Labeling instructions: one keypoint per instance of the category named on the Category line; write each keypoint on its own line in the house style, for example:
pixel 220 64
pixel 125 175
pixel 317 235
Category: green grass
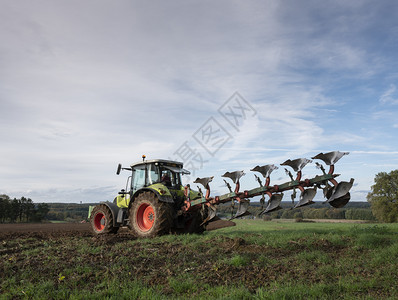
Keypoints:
pixel 253 260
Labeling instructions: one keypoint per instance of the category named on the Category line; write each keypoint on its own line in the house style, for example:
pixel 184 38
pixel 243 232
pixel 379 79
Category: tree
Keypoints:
pixel 359 214
pixel 41 212
pixel 384 196
pixel 15 207
pixel 4 207
pixel 21 210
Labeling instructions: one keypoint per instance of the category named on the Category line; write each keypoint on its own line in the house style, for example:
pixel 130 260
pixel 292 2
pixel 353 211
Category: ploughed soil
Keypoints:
pixel 76 229
pixel 47 250
pixel 35 253
pixel 218 223
pixel 44 230
pixel 44 227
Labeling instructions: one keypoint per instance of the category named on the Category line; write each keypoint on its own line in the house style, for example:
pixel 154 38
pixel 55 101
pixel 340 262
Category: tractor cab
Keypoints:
pixel 158 175
pixel 145 174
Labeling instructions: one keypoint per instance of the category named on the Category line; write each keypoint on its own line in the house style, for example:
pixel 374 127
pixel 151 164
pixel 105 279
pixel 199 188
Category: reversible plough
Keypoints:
pixel 336 193
pixel 155 202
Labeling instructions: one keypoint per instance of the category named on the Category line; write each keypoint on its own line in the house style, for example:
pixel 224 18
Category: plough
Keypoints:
pixel 337 194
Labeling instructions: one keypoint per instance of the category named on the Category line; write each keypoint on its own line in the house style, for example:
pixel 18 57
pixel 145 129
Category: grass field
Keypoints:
pixel 253 260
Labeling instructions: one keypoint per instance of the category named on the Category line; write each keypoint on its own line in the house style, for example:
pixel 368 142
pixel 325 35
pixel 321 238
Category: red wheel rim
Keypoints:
pixel 99 221
pixel 145 217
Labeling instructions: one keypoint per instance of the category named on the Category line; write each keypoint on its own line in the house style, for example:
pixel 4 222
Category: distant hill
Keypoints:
pixel 70 212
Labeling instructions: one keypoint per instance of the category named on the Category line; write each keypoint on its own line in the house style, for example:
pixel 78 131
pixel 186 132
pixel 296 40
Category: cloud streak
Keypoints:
pixel 85 85
pixel 390 96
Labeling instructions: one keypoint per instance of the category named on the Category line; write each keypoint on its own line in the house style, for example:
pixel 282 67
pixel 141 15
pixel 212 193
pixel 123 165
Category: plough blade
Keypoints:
pixel 296 164
pixel 330 158
pixel 211 213
pixel 306 197
pixel 265 170
pixel 242 209
pixel 235 176
pixel 341 202
pixel 340 194
pixel 204 181
pixel 273 203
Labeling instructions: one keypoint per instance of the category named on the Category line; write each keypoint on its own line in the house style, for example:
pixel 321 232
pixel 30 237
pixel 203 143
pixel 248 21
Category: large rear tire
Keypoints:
pixel 148 217
pixel 101 220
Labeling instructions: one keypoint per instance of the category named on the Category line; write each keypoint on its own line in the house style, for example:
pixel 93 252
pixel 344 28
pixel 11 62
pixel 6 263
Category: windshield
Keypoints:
pixel 148 174
pixel 138 178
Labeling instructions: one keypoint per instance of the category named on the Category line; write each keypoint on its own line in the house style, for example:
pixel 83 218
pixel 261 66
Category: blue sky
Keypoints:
pixel 85 85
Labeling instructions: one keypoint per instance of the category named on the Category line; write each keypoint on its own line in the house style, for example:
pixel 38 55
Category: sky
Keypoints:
pixel 218 85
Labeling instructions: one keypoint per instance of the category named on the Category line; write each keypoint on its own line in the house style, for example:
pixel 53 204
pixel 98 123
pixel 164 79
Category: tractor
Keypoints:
pixel 155 202
pixel 151 203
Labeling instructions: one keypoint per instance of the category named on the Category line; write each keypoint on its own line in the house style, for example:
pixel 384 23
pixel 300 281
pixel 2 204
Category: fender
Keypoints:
pixel 162 198
pixel 117 213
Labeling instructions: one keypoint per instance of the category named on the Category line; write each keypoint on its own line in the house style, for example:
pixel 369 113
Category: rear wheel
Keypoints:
pixel 101 220
pixel 149 217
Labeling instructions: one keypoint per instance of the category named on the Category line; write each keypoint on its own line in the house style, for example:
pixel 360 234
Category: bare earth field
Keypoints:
pixel 252 260
pixel 43 231
pixel 69 229
pixel 45 227
pixel 82 228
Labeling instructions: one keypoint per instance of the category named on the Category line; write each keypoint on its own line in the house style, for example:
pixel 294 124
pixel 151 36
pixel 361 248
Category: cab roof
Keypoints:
pixel 160 161
pixel 172 165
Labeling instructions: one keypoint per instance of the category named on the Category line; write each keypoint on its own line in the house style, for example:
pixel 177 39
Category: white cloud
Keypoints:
pixel 85 85
pixel 390 96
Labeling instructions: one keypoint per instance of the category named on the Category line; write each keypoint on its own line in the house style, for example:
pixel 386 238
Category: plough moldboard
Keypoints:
pixel 337 194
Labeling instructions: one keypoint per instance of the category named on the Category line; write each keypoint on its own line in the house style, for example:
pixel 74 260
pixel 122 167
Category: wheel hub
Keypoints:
pixel 99 221
pixel 145 217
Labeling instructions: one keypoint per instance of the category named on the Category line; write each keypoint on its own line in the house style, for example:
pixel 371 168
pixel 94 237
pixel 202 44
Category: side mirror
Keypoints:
pixel 119 168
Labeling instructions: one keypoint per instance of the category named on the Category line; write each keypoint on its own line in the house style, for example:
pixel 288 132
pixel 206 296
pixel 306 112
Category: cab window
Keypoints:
pixel 169 178
pixel 138 178
pixel 153 174
pixel 166 177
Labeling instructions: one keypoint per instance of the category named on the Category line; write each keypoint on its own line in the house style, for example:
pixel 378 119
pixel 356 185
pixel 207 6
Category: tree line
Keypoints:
pixel 68 212
pixel 21 210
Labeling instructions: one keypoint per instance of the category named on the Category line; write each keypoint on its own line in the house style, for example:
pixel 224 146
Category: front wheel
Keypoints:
pixel 148 217
pixel 101 220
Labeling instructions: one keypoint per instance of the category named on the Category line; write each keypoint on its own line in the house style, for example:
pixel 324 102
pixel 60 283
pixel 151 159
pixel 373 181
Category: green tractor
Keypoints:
pixel 151 203
pixel 156 203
